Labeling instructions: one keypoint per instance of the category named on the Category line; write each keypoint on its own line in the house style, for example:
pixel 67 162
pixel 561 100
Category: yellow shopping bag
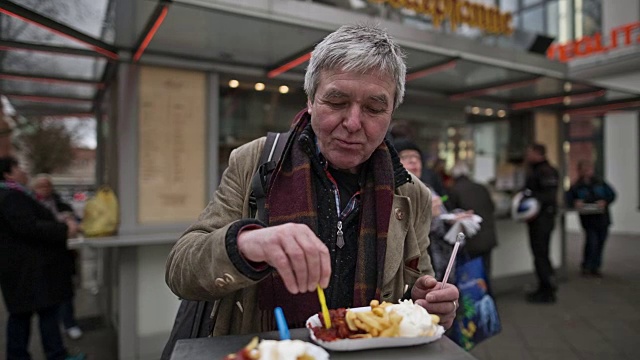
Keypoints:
pixel 101 214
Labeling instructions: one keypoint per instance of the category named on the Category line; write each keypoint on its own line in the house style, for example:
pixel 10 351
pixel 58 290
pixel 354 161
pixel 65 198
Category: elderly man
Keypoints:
pixel 341 210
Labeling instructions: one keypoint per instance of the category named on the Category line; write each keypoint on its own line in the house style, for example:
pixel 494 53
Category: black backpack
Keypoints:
pixel 193 319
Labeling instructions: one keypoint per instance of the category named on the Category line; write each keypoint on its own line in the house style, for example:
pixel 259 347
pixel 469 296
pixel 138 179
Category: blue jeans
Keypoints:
pixel 19 331
pixel 66 314
pixel 594 247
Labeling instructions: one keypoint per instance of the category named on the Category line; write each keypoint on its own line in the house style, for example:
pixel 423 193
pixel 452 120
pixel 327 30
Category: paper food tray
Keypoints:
pixel 371 343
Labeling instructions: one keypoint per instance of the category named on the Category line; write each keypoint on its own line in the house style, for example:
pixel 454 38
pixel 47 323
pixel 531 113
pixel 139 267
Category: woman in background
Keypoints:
pixel 33 245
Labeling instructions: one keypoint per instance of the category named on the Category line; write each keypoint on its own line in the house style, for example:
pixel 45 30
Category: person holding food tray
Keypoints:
pixel 340 209
pixel 591 197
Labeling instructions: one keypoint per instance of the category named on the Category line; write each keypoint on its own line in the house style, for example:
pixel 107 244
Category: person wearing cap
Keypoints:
pixel 413 160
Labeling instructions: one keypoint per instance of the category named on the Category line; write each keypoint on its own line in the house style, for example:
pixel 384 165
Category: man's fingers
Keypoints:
pixel 298 261
pixel 422 286
pixel 280 261
pixel 325 263
pixel 444 309
pixel 307 243
pixel 449 293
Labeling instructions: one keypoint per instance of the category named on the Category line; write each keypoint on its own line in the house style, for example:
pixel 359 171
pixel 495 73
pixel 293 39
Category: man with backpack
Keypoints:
pixel 339 210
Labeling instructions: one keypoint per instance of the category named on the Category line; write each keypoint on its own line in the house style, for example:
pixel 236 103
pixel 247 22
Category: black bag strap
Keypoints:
pixel 269 158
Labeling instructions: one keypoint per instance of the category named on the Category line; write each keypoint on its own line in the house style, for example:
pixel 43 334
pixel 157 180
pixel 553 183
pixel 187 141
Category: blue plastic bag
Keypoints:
pixel 477 318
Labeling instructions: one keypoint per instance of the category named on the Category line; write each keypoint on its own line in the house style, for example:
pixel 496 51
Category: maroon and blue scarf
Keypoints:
pixel 291 198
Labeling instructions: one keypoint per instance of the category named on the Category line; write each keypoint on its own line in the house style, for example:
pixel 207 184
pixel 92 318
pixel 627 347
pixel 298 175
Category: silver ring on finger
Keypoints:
pixel 455 305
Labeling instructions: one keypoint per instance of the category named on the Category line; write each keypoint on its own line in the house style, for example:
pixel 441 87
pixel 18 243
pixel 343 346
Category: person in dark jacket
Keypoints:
pixel 542 182
pixel 42 186
pixel 33 244
pixel 592 196
pixel 468 195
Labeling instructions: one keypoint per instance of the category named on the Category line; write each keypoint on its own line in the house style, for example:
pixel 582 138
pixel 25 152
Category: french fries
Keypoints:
pixel 375 323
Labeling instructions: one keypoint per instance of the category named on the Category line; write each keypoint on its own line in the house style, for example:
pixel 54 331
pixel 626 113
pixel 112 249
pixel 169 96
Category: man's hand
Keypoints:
pixel 436 203
pixel 578 204
pixel 601 204
pixel 301 259
pixel 444 303
pixel 72 228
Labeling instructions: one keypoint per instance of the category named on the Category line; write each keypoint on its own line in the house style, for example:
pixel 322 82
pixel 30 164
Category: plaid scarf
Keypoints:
pixel 291 198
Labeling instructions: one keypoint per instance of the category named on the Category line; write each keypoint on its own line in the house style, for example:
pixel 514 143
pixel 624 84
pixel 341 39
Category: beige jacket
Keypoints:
pixel 198 267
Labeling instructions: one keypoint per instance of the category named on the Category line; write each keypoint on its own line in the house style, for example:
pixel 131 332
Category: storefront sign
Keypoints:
pixel 487 18
pixel 622 36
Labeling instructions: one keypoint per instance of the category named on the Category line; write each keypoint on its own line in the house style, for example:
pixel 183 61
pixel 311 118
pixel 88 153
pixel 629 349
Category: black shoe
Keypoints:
pixel 585 272
pixel 541 297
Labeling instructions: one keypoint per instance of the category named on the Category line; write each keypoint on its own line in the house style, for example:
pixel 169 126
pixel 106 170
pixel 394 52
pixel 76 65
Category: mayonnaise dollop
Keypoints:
pixel 416 321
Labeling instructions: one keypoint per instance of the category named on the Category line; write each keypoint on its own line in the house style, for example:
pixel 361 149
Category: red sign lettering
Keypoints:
pixel 591 45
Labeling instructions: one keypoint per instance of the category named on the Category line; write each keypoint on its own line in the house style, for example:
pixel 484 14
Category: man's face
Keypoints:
pixel 532 156
pixel 411 161
pixel 350 116
pixel 43 188
pixel 18 175
pixel 586 171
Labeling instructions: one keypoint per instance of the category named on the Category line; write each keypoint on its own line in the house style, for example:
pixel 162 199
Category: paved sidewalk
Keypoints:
pixel 593 319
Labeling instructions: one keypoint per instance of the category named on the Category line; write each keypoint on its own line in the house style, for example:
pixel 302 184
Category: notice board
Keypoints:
pixel 171 145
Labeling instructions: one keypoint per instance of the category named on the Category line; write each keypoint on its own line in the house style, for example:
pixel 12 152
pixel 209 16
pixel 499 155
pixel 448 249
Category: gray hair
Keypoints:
pixel 460 169
pixel 41 176
pixel 357 48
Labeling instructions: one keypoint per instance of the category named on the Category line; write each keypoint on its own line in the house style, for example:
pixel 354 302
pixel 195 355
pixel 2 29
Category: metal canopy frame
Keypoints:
pixel 305 15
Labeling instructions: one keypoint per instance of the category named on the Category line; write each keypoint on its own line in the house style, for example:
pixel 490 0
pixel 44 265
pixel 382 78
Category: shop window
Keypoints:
pixel 590 13
pixel 248 111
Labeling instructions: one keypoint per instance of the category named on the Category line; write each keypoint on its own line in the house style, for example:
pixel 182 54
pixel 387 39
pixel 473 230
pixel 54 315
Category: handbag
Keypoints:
pixel 477 318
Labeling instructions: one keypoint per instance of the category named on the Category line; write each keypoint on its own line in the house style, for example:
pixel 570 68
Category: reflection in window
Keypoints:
pixel 591 17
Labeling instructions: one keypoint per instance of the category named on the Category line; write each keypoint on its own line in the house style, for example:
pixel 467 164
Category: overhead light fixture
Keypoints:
pixel 566 101
pixel 259 86
pixel 502 113
pixel 475 110
pixel 234 83
pixel 566 118
pixel 488 112
pixel 283 89
pixel 451 131
pixel 567 86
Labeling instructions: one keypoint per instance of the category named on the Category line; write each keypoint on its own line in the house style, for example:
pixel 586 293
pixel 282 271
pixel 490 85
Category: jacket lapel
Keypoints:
pixel 399 246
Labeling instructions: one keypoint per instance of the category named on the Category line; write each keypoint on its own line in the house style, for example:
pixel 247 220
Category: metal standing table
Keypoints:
pixel 218 347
